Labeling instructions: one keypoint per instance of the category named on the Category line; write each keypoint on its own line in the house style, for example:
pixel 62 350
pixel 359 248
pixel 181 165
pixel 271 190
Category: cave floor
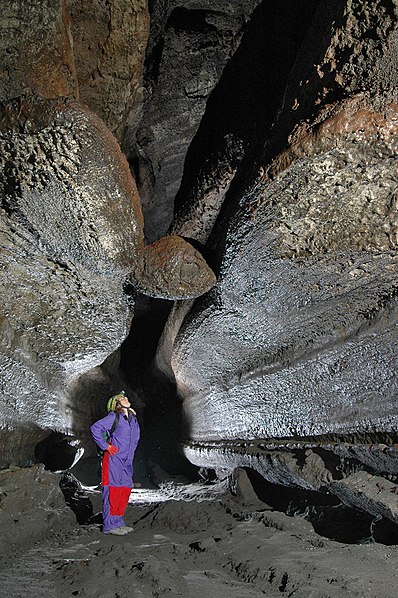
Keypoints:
pixel 188 544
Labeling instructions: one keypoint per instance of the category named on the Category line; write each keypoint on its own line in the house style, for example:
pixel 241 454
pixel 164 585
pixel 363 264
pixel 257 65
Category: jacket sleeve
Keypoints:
pixel 100 426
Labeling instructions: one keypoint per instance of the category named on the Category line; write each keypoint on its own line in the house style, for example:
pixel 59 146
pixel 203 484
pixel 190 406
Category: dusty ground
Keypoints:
pixel 185 544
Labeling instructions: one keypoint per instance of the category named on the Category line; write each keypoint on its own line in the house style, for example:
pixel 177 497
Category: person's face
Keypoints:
pixel 124 402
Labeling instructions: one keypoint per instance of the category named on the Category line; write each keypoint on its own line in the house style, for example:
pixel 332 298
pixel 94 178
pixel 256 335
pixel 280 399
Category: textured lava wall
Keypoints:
pixel 109 42
pixel 69 233
pixel 299 337
pixel 72 245
pixel 265 131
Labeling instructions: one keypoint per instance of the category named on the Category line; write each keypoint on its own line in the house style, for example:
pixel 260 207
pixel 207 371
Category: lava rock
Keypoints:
pixel 301 328
pixel 189 46
pixel 72 235
pixel 370 493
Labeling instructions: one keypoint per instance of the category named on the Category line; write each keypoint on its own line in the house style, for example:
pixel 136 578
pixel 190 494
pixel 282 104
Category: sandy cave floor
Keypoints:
pixel 192 541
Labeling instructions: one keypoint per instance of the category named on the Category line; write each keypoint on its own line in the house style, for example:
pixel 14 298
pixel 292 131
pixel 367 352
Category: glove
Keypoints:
pixel 112 450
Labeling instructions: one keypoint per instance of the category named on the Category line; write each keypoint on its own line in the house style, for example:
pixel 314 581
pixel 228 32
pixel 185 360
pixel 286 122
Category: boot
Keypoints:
pixel 127 528
pixel 117 531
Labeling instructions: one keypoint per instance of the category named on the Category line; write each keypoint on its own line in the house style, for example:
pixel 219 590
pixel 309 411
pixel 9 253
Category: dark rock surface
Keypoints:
pixel 372 494
pixel 189 46
pixel 68 48
pixel 239 118
pixel 32 507
pixel 109 41
pixel 347 491
pixel 36 50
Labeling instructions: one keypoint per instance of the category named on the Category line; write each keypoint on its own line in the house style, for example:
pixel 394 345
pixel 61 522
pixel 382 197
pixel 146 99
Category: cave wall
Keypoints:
pixel 70 232
pixel 190 45
pixel 109 43
pixel 69 48
pixel 73 255
pixel 299 336
pixel 264 132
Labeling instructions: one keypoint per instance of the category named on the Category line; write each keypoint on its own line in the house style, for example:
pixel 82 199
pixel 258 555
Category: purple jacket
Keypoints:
pixel 125 437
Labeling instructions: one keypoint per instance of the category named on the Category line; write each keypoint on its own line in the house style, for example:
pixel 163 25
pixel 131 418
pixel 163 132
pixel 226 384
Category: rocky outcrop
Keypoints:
pixel 172 269
pixel 36 50
pixel 70 232
pixel 319 464
pixel 72 238
pixel 311 55
pixel 310 478
pixel 73 254
pixel 109 42
pixel 301 330
pixel 67 48
pixel 370 493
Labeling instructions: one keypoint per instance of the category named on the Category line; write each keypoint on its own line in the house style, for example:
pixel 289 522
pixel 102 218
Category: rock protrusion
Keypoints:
pixel 172 269
pixel 72 234
pixel 370 493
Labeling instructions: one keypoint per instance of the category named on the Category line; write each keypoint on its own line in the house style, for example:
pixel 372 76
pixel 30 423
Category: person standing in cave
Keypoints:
pixel 117 435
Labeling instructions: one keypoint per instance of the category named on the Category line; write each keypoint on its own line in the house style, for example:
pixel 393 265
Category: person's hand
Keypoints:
pixel 112 450
pixel 133 412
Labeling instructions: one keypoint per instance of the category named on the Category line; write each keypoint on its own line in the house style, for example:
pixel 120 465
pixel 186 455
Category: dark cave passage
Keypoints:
pixel 161 425
pixel 238 118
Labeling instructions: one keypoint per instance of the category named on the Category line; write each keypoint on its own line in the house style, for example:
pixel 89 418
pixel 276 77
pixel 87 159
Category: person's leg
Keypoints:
pixel 110 521
pixel 114 498
pixel 118 499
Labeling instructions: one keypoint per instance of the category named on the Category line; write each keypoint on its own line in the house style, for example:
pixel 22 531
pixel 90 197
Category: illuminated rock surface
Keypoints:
pixel 72 237
pixel 298 339
pixel 301 329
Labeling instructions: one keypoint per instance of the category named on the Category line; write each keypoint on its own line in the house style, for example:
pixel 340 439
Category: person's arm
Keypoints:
pixel 98 428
